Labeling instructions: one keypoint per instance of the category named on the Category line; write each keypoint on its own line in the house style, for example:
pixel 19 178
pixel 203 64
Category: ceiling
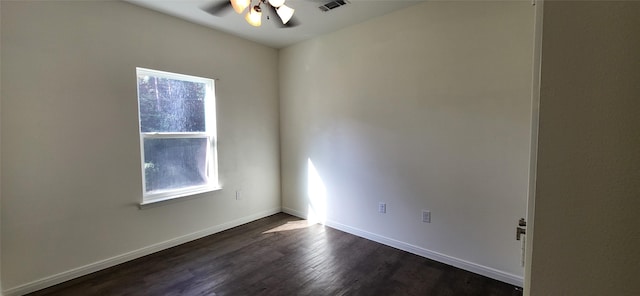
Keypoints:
pixel 312 21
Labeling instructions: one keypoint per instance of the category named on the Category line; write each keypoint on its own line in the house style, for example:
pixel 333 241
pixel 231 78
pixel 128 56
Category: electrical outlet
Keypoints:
pixel 382 208
pixel 238 194
pixel 426 216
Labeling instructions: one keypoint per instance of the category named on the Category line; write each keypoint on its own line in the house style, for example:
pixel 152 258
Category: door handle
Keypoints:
pixel 520 231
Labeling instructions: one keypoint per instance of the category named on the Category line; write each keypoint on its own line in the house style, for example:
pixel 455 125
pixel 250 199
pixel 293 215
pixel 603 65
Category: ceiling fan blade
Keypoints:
pixel 293 22
pixel 218 8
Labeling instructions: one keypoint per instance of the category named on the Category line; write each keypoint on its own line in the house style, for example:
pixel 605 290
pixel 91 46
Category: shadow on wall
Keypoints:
pixel 316 196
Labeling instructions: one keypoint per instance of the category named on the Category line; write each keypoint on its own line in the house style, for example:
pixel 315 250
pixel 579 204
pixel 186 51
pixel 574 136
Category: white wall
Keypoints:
pixel 70 146
pixel 425 108
pixel 586 237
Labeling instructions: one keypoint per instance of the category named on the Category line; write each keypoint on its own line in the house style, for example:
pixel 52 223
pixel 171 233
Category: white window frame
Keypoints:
pixel 210 134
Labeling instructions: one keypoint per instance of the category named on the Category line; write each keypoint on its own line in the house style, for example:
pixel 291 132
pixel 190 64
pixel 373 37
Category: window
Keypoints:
pixel 177 135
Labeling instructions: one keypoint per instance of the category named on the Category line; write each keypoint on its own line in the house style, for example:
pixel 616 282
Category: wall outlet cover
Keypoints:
pixel 382 208
pixel 426 216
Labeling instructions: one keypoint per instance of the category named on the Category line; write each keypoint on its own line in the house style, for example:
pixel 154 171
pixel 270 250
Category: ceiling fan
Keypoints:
pixel 277 8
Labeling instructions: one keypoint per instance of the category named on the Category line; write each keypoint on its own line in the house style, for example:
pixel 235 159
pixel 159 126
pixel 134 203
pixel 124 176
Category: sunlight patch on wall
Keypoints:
pixel 317 195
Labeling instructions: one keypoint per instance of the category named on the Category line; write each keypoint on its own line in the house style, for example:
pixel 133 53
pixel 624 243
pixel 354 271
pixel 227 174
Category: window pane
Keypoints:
pixel 170 105
pixel 174 163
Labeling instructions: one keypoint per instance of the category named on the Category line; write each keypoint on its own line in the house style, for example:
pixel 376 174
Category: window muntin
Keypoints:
pixel 177 134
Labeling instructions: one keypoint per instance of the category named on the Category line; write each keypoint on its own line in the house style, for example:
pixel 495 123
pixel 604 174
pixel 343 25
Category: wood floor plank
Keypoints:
pixel 281 255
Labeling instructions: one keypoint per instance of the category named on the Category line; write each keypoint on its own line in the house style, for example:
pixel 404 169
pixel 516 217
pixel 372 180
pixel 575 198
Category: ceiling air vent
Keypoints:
pixel 333 5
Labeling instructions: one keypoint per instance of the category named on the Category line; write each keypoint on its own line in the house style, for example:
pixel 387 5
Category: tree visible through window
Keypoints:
pixel 177 134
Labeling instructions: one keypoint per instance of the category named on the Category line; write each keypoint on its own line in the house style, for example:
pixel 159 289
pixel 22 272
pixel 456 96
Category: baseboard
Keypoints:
pixel 446 259
pixel 102 264
pixel 293 212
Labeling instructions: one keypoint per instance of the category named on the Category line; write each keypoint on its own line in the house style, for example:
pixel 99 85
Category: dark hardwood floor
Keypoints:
pixel 282 255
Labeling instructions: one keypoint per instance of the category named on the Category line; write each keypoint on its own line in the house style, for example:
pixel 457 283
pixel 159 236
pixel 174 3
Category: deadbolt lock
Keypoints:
pixel 522 222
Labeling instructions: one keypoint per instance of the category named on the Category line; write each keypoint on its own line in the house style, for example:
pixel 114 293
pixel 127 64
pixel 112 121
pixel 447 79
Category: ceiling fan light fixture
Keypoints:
pixel 276 3
pixel 254 16
pixel 240 5
pixel 285 13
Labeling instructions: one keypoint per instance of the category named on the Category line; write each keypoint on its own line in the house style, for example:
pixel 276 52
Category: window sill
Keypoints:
pixel 186 195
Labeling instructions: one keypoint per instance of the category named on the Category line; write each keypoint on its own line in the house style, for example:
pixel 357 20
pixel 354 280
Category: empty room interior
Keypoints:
pixel 431 129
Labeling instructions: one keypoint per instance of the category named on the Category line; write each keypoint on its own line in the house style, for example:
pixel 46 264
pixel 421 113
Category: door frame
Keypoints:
pixel 535 121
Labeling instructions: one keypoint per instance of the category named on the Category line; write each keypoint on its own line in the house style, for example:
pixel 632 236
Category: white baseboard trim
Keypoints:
pixel 109 262
pixel 293 212
pixel 446 259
